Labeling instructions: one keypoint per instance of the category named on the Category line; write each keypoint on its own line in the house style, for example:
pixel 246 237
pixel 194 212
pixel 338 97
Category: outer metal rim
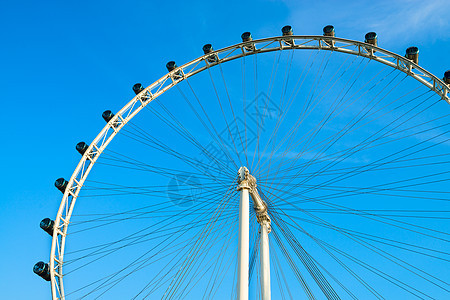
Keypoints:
pixel 189 69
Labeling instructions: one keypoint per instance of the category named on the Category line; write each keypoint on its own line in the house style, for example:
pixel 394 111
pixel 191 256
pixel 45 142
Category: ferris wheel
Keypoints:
pixel 290 167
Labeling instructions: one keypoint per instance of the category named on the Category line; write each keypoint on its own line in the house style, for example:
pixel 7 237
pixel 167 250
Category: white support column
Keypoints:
pixel 265 261
pixel 243 254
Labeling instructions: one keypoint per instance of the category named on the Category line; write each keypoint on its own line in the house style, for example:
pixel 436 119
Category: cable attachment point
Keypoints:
pixel 247 181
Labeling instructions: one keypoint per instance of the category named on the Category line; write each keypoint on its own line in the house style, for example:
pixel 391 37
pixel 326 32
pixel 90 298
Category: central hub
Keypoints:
pixel 247 181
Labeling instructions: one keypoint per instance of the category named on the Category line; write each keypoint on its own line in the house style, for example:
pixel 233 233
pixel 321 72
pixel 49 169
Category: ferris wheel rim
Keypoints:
pixel 177 75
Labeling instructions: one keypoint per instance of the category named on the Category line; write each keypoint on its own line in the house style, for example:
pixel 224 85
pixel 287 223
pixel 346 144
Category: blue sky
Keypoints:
pixel 62 64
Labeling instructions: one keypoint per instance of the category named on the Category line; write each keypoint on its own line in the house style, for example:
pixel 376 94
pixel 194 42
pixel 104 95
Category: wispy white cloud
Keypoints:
pixel 398 22
pixel 412 19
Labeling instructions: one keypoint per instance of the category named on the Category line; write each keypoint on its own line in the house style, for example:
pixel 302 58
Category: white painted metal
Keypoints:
pixel 265 261
pixel 189 69
pixel 243 248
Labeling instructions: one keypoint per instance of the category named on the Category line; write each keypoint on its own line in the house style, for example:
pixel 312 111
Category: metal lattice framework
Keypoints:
pixel 198 65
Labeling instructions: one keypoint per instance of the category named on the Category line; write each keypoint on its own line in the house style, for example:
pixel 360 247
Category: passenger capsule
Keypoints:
pixel 287 33
pixel 247 37
pixel 447 77
pixel 47 225
pixel 42 269
pixel 81 147
pixel 107 115
pixel 412 53
pixel 287 30
pixel 207 48
pixel 137 88
pixel 328 30
pixel 171 65
pixel 61 184
pixel 371 38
